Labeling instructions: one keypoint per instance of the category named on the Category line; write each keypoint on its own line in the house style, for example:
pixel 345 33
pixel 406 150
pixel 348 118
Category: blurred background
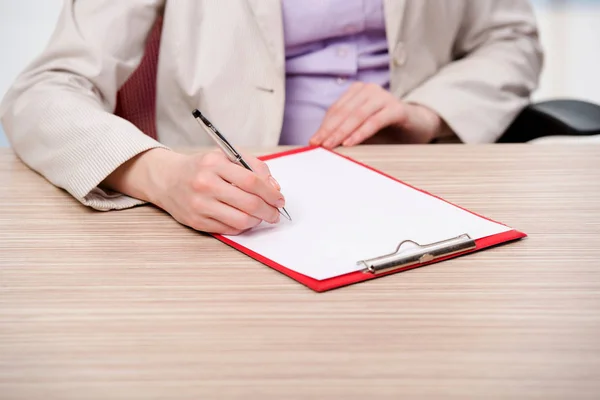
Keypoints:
pixel 570 34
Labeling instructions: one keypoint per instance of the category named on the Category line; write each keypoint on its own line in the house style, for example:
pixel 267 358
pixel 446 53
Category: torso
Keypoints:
pixel 328 45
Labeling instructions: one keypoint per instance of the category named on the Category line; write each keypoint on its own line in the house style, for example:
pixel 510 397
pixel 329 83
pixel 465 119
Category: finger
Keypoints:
pixel 262 169
pixel 246 202
pixel 210 225
pixel 259 166
pixel 333 121
pixel 372 95
pixel 357 117
pixel 354 89
pixel 327 125
pixel 250 182
pixel 385 117
pixel 231 216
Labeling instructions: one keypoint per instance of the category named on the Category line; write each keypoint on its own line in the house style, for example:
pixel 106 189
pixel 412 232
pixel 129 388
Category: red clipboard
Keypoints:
pixel 425 255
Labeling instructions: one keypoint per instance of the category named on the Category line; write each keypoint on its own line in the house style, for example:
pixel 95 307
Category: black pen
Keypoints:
pixel 227 148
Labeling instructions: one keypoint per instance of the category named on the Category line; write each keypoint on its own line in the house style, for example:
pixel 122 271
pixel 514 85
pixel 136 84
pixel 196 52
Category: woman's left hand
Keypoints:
pixel 366 109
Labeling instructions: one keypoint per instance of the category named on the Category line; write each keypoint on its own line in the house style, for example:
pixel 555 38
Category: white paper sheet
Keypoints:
pixel 343 212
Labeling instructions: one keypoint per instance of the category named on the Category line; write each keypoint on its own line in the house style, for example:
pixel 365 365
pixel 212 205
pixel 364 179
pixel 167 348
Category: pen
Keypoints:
pixel 227 148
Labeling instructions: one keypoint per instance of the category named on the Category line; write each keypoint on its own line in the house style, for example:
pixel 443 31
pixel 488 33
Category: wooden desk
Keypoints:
pixel 178 315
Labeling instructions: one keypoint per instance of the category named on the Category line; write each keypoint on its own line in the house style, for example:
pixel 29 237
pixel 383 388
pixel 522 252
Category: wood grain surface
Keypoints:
pixel 132 305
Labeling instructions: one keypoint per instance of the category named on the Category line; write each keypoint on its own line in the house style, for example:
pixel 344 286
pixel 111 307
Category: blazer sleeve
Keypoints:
pixel 58 114
pixel 498 61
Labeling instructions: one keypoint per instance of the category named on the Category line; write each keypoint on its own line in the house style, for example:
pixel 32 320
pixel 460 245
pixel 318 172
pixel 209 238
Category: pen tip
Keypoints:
pixel 196 113
pixel 285 214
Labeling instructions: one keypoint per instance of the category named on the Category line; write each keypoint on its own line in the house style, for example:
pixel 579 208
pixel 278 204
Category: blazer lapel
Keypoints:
pixel 394 15
pixel 270 22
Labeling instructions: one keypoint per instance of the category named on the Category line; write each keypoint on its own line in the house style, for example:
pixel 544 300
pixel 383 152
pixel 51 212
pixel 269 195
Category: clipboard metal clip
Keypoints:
pixel 409 253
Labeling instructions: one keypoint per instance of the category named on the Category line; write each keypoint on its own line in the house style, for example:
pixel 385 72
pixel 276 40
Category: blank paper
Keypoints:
pixel 343 212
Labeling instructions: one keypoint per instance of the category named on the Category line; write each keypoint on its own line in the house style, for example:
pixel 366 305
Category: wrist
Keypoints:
pixel 144 176
pixel 429 123
pixel 157 172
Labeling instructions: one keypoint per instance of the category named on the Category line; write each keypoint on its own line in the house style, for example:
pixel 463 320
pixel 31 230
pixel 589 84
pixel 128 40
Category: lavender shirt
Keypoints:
pixel 329 44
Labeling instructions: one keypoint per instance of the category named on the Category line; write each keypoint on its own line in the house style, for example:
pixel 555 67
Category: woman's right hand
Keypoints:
pixel 206 192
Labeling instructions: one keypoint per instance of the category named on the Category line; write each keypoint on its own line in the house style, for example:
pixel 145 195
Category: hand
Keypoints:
pixel 205 192
pixel 367 109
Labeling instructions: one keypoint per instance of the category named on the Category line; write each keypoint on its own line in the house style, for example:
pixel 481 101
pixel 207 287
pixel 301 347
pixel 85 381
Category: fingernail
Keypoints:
pixel 280 203
pixel 275 184
pixel 277 218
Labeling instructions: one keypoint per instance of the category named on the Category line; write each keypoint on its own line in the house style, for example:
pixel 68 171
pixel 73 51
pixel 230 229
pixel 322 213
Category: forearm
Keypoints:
pixel 58 114
pixel 68 138
pixel 426 124
pixel 497 66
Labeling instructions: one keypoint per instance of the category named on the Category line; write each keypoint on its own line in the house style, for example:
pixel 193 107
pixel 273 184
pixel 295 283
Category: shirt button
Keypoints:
pixel 350 29
pixel 400 55
pixel 341 80
pixel 342 52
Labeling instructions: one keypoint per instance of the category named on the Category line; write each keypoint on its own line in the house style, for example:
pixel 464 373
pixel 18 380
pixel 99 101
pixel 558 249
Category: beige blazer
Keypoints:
pixel 473 61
